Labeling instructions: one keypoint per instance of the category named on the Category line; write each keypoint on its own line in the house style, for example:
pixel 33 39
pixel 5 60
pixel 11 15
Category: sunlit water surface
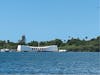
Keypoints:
pixel 49 63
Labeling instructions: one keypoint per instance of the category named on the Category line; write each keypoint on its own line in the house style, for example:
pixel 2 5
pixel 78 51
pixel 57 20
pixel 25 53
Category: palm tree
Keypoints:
pixel 86 37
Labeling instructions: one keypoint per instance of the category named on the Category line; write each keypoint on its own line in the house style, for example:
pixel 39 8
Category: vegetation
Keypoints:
pixel 73 44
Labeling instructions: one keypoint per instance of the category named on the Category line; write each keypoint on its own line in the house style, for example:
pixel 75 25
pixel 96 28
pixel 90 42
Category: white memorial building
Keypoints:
pixel 24 48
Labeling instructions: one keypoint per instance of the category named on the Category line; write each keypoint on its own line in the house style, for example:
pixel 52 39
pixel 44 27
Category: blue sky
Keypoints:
pixel 48 19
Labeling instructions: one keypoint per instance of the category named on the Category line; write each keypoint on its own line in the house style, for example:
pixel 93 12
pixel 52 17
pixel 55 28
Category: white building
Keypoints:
pixel 23 48
pixel 4 50
pixel 62 50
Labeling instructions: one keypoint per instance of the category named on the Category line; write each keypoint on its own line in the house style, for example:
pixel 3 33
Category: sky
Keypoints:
pixel 43 20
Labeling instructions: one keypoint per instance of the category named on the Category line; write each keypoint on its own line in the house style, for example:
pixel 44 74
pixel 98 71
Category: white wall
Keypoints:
pixel 52 48
pixel 23 48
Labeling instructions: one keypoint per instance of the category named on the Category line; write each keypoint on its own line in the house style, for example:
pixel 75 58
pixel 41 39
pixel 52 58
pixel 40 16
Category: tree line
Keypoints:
pixel 73 44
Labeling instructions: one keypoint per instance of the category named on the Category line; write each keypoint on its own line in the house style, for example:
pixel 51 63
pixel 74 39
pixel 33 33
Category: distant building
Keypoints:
pixel 62 50
pixel 23 48
pixel 7 50
pixel 4 50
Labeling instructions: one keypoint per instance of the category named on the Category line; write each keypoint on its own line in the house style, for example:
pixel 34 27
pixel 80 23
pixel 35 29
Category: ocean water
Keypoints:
pixel 50 63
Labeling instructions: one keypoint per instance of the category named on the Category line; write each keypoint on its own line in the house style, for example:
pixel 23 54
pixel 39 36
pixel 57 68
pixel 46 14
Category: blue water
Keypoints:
pixel 50 63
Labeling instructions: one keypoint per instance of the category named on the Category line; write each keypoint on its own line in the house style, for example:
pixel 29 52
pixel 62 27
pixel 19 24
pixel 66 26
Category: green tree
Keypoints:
pixel 33 43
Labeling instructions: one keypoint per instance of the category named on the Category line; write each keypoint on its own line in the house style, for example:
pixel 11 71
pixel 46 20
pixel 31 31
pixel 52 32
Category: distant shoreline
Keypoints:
pixel 73 44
